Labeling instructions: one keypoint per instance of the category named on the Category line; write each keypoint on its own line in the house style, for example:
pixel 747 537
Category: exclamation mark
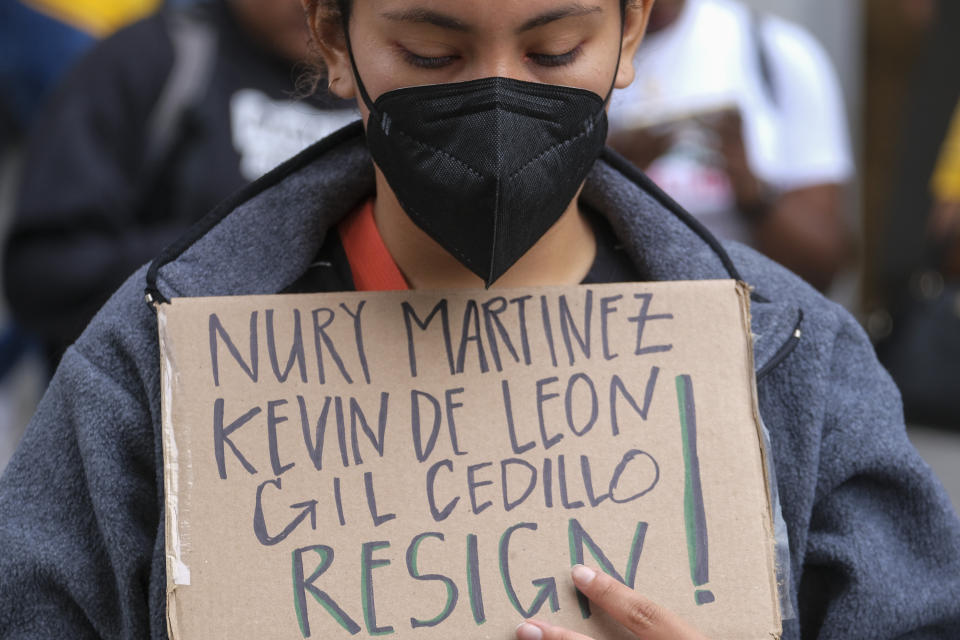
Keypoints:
pixel 694 515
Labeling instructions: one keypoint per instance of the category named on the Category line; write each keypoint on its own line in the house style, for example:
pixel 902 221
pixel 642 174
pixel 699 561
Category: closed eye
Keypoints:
pixel 558 60
pixel 427 62
pixel 541 59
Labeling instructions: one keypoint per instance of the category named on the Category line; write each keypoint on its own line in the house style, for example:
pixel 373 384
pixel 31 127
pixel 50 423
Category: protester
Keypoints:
pixel 874 543
pixel 39 41
pixel 149 132
pixel 922 347
pixel 918 328
pixel 945 185
pixel 740 117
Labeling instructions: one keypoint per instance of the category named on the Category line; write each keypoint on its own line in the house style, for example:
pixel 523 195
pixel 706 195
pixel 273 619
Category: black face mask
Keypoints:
pixel 485 167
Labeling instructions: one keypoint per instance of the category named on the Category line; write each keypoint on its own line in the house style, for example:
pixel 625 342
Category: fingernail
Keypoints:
pixel 527 631
pixel 582 576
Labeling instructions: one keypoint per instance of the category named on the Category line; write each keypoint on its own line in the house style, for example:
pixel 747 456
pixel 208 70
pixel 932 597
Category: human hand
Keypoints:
pixel 642 617
pixel 754 198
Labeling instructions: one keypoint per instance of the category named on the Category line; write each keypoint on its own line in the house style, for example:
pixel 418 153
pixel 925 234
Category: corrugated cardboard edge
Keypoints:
pixel 178 573
pixel 743 293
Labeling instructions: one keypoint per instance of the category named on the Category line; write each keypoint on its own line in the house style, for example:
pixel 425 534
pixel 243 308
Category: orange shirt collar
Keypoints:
pixel 371 264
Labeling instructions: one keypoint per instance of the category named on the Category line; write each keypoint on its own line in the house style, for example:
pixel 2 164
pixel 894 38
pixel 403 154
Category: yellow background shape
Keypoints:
pixel 96 17
pixel 946 179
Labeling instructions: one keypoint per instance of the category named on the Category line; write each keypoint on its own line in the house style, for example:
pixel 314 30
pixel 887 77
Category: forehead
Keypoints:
pixel 482 14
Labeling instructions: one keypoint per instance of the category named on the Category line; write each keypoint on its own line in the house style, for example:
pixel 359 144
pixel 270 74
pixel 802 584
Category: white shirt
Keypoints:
pixel 794 128
pixel 267 132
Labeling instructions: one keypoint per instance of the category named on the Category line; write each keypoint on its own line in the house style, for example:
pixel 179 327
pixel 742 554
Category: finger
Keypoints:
pixel 538 630
pixel 640 615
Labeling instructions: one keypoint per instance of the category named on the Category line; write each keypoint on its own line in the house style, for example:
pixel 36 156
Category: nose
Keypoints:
pixel 504 62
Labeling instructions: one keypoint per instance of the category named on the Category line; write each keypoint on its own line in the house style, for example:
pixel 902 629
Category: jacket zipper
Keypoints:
pixel 785 350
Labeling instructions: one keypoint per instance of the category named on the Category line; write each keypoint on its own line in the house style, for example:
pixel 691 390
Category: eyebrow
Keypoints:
pixel 420 15
pixel 573 10
pixel 428 16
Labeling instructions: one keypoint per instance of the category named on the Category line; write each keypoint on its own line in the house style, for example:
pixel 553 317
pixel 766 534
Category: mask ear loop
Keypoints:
pixel 616 70
pixel 356 72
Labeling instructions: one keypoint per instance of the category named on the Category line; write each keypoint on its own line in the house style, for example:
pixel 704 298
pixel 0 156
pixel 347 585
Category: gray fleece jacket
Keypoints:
pixel 874 542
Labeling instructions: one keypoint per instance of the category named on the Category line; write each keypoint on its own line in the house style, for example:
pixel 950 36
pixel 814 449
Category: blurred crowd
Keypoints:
pixel 122 122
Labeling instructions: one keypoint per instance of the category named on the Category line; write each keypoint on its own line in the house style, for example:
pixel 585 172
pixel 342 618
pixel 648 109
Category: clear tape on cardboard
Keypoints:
pixel 179 571
pixel 781 537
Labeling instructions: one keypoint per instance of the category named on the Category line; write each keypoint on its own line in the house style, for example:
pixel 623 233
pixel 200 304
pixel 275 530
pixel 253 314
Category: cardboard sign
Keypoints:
pixel 429 465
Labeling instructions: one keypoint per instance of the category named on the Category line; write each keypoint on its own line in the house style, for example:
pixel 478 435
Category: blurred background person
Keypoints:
pixel 39 41
pixel 149 131
pixel 944 225
pixel 918 116
pixel 916 304
pixel 739 116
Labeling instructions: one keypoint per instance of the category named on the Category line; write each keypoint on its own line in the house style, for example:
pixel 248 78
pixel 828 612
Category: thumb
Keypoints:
pixel 640 615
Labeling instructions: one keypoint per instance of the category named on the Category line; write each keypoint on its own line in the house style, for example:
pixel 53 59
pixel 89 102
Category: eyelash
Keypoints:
pixel 541 59
pixel 560 60
pixel 424 62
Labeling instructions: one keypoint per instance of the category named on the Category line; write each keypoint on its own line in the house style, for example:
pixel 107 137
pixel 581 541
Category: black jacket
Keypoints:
pixel 91 207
